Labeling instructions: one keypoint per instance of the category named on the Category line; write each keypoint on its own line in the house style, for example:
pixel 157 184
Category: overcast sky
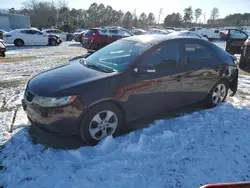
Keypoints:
pixel 225 6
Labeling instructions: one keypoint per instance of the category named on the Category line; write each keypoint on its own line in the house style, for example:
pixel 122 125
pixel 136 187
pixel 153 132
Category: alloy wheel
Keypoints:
pixel 103 124
pixel 219 93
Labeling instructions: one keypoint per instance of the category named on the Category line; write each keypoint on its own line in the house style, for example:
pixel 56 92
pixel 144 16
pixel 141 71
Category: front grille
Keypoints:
pixel 29 96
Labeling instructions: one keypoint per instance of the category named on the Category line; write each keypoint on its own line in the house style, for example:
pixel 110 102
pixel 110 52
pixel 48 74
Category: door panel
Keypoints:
pixel 157 83
pixel 26 36
pixel 150 94
pixel 201 72
pixel 41 39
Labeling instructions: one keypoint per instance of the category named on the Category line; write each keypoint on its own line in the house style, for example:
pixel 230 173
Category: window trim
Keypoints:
pixel 198 42
pixel 154 48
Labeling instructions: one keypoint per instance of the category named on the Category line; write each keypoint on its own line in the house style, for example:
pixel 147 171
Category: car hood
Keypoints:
pixel 71 74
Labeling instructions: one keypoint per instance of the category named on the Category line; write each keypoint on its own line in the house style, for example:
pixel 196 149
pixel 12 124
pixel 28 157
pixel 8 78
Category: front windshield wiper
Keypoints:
pixel 95 67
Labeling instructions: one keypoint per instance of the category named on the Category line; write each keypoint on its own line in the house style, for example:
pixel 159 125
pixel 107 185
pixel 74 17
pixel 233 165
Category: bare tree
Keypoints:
pixel 197 14
pixel 188 15
pixel 62 4
pixel 214 14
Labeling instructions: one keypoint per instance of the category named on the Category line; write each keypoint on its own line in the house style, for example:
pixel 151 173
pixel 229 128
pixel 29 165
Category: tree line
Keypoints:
pixel 46 14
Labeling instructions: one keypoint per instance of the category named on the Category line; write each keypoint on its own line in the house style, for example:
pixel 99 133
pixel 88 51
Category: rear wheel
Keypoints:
pixel 100 121
pixel 217 95
pixel 3 54
pixel 18 42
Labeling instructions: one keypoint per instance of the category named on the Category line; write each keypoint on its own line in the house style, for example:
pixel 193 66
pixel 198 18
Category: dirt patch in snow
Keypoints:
pixel 17 59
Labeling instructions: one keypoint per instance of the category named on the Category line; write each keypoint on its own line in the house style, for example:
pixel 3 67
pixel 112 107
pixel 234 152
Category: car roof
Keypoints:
pixel 50 29
pixel 154 39
pixel 18 30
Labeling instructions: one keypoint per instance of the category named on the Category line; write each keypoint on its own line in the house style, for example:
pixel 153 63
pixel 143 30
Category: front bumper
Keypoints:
pixel 56 120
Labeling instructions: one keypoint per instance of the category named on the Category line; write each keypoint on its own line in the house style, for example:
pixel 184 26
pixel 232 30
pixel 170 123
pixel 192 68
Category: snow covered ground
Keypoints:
pixel 202 147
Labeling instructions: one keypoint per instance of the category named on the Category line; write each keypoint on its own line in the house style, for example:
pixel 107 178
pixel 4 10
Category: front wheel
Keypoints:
pixel 217 95
pixel 3 54
pixel 99 122
pixel 53 42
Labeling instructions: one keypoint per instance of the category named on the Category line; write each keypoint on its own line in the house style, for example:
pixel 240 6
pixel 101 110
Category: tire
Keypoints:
pixel 3 54
pixel 18 42
pixel 53 42
pixel 210 100
pixel 242 63
pixel 110 125
pixel 206 37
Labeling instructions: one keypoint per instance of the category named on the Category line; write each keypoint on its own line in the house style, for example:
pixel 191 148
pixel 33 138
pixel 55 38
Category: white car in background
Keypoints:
pixel 58 32
pixel 159 32
pixel 20 37
pixel 189 34
pixel 209 33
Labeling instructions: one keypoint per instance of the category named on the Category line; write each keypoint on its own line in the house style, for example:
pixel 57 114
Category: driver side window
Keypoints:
pixel 162 59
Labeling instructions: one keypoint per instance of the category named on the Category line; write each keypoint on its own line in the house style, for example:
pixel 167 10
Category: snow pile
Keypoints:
pixel 198 148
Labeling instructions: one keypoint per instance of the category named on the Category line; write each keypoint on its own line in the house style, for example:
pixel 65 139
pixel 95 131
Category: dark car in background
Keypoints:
pixel 97 38
pixel 245 55
pixel 235 41
pixel 95 95
pixel 1 33
pixel 2 48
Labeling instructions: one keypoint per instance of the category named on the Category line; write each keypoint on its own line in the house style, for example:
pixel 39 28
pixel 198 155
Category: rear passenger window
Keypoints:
pixel 114 31
pixel 239 35
pixel 196 53
pixel 26 32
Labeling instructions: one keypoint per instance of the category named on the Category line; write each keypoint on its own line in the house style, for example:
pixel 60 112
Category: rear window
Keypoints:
pixel 91 31
pixel 114 31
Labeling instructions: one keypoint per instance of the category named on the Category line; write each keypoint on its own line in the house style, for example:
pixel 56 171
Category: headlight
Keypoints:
pixel 53 101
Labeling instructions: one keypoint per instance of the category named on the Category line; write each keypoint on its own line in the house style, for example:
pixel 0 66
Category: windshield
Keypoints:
pixel 117 56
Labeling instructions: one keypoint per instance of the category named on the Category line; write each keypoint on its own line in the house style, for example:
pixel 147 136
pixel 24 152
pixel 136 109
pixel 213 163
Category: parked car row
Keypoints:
pixel 97 38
